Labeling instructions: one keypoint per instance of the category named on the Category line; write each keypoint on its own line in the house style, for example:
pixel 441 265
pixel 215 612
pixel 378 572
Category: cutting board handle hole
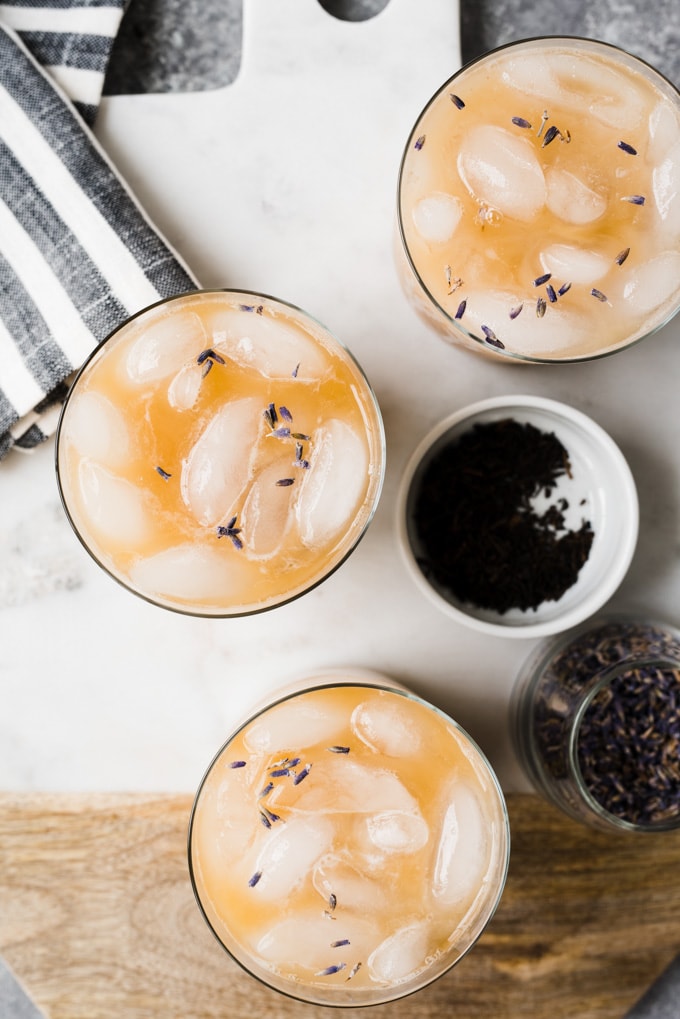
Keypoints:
pixel 353 10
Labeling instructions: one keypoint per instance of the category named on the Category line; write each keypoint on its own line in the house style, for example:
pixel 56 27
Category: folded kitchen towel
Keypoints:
pixel 77 252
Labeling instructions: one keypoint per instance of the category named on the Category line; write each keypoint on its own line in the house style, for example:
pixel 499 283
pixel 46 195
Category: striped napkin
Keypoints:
pixel 78 255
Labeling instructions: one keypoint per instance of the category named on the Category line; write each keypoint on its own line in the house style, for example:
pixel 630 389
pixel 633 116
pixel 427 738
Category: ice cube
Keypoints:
pixel 186 385
pixel 666 189
pixel 267 511
pixel 664 131
pixel 270 345
pixel 97 429
pixel 191 573
pixel 215 470
pixel 307 939
pixel 294 725
pixel 400 955
pixel 393 831
pixel 384 724
pixel 572 200
pixel 502 171
pixel 289 853
pixel 531 74
pixel 654 283
pixel 339 785
pixel 227 809
pixel 350 888
pixel 461 854
pixel 584 82
pixel 330 492
pixel 164 345
pixel 571 264
pixel 561 328
pixel 116 509
pixel 437 216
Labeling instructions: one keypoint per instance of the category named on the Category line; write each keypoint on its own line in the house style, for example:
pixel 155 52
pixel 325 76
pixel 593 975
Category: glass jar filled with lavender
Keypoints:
pixel 595 719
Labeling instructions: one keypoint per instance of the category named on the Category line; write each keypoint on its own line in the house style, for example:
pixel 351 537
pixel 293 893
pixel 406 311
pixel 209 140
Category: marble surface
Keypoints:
pixel 283 181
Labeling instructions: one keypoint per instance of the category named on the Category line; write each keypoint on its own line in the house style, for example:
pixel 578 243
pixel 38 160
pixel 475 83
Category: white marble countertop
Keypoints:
pixel 284 182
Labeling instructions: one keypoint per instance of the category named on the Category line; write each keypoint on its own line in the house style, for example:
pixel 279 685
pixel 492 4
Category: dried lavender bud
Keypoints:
pixel 457 101
pixel 540 280
pixel 521 122
pixel 627 148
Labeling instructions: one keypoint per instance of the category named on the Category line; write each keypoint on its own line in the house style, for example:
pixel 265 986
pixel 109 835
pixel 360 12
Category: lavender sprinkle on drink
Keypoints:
pixel 164 474
pixel 492 338
pixel 622 256
pixel 302 775
pixel 634 199
pixel 461 310
pixel 210 354
pixel 280 773
pixel 419 142
pixel 550 291
pixel 338 750
pixel 457 101
pixel 540 307
pixel 285 414
pixel 296 369
pixel 281 433
pixel 563 289
pixel 540 280
pixel 521 122
pixel 550 135
pixel 285 482
pixel 355 969
pixel 340 943
pixel 265 820
pixel 332 901
pixel 330 970
pixel 267 789
pixel 237 764
pixel 254 879
pixel 625 147
pixel 599 295
pixel 544 119
pixel 514 312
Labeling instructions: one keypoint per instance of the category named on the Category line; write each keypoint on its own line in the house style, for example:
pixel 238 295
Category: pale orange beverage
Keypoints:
pixel 539 202
pixel 220 453
pixel 348 844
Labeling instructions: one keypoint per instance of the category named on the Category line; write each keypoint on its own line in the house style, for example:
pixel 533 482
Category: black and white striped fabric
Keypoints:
pixel 77 253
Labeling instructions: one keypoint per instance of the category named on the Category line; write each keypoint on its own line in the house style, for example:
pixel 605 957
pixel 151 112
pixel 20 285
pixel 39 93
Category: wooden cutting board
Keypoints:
pixel 98 920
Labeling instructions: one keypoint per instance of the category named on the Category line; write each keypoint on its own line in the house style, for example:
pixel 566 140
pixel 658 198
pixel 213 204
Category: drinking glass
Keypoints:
pixel 539 202
pixel 220 453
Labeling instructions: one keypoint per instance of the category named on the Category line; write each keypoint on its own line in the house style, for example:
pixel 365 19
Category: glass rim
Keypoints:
pixel 380 444
pixel 496 353
pixel 609 674
pixel 524 737
pixel 296 989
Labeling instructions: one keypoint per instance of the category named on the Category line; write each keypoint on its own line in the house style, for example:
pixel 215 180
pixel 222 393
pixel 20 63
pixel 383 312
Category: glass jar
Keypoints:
pixel 595 720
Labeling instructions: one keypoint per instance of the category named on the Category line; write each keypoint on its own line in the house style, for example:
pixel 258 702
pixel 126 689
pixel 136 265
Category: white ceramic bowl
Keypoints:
pixel 601 488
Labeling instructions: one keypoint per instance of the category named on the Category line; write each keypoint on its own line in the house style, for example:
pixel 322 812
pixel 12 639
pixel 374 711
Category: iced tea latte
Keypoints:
pixel 348 844
pixel 220 453
pixel 539 202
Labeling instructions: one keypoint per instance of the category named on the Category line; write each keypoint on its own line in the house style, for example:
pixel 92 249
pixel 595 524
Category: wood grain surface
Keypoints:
pixel 98 920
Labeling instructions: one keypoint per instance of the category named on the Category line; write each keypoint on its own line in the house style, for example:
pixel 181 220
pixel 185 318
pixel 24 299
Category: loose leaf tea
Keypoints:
pixel 478 535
